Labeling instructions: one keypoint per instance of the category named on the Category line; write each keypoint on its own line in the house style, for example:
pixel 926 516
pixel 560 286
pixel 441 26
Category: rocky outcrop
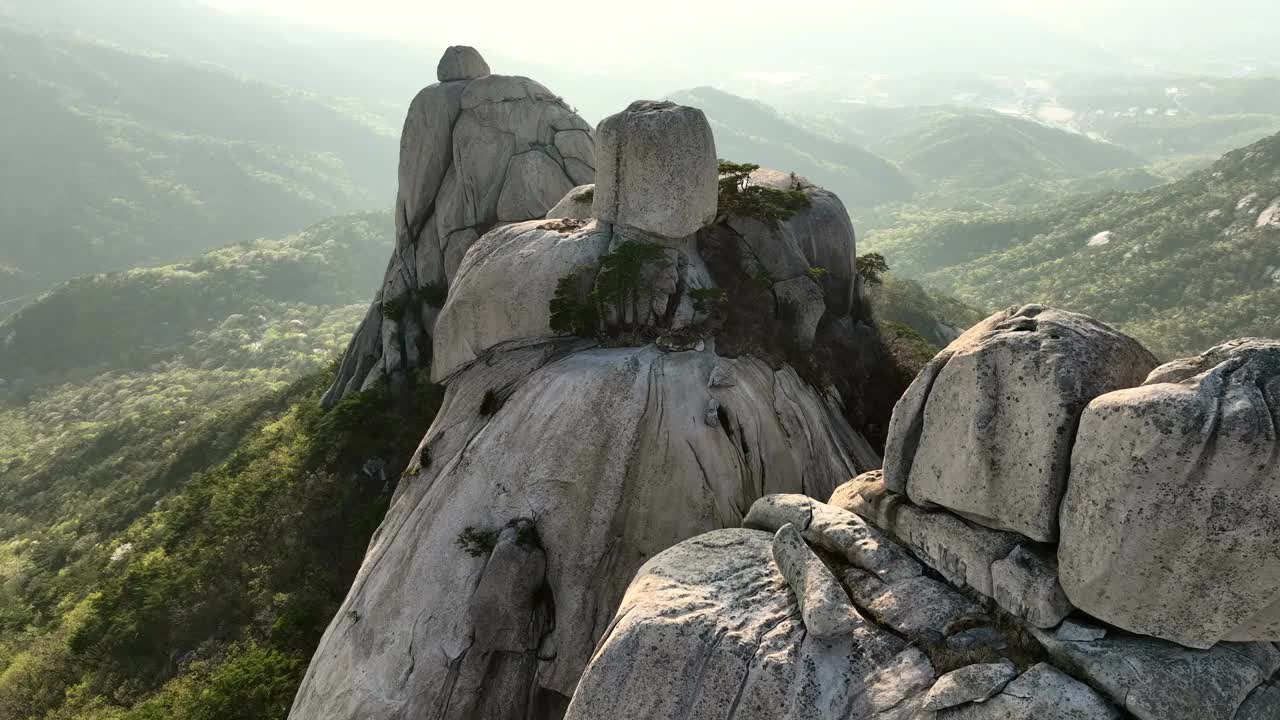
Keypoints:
pixel 575 205
pixel 608 451
pixel 960 551
pixel 816 243
pixel 986 430
pixel 461 62
pixel 585 456
pixel 1157 680
pixel 657 169
pixel 969 684
pixel 1171 521
pixel 1041 693
pixel 710 629
pixel 722 615
pixel 477 150
pixel 502 291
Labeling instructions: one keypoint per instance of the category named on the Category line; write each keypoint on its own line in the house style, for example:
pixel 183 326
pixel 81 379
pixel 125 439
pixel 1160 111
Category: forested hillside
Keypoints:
pixel 1181 266
pixel 146 492
pixel 115 159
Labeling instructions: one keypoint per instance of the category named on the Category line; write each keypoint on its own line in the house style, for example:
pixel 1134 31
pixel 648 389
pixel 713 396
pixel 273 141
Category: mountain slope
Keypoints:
pixel 167 482
pixel 265 304
pixel 957 153
pixel 115 159
pixel 749 129
pixel 1181 266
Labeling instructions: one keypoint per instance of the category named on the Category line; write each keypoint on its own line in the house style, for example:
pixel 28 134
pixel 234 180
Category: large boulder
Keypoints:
pixel 613 455
pixel 960 551
pixel 656 169
pixel 986 429
pixel 477 149
pixel 710 630
pixel 575 205
pixel 1171 522
pixel 461 62
pixel 1158 680
pixel 503 289
pixel 816 243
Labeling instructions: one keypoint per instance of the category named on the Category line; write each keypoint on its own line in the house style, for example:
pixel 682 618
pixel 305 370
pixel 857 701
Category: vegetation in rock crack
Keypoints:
pixel 583 305
pixel 740 197
pixel 477 543
pixel 432 295
pixel 586 196
pixel 490 404
pixel 572 313
pixel 708 300
pixel 816 274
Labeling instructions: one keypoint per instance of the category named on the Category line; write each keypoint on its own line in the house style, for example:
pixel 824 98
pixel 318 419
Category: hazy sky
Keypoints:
pixel 603 32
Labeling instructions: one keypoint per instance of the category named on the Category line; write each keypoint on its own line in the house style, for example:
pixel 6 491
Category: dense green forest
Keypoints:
pixel 115 159
pixel 180 521
pixel 1181 267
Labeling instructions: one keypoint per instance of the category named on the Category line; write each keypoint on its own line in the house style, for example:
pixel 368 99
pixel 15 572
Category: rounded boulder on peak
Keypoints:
pixel 461 62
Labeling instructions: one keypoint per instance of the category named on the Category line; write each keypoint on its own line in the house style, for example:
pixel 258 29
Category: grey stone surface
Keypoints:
pixel 1157 680
pixel 1171 523
pixel 575 205
pixel 913 607
pixel 1041 693
pixel 461 62
pixel 1262 704
pixel 961 551
pixel 503 290
pixel 801 304
pixel 534 182
pixel 986 429
pixel 607 449
pixel 837 531
pixel 1075 631
pixel 1026 584
pixel 709 630
pixel 819 236
pixel 656 169
pixel 476 150
pixel 824 606
pixel 974 683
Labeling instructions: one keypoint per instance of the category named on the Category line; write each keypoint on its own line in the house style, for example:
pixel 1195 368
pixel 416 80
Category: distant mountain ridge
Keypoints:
pixel 747 129
pixel 115 159
pixel 1181 267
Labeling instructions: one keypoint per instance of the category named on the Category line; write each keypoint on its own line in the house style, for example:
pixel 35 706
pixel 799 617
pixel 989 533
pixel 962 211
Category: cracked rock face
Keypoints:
pixel 818 236
pixel 610 453
pixel 986 430
pixel 1171 523
pixel 503 289
pixel 477 150
pixel 710 630
pixel 657 169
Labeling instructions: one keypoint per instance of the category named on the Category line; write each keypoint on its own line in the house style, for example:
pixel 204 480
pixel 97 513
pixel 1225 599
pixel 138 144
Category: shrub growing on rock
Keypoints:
pixel 768 205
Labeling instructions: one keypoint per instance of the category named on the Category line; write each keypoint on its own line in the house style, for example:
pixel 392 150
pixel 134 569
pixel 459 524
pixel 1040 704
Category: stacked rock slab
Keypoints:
pixel 1171 521
pixel 986 430
pixel 581 462
pixel 725 626
pixel 477 150
pixel 711 630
